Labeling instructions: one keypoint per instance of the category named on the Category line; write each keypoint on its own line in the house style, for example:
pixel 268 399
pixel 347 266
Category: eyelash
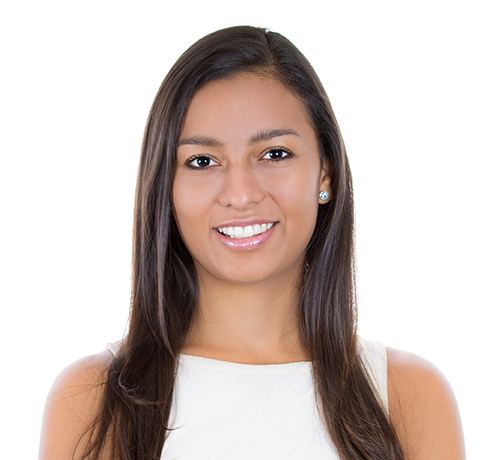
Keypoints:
pixel 194 157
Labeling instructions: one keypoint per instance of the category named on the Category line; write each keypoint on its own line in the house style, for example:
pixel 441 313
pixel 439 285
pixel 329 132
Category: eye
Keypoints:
pixel 201 160
pixel 280 151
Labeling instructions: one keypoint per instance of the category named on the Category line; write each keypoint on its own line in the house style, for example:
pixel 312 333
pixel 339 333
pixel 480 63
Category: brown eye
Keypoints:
pixel 202 162
pixel 277 154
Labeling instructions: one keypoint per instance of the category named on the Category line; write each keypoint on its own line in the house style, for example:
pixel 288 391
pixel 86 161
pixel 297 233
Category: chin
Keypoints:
pixel 249 278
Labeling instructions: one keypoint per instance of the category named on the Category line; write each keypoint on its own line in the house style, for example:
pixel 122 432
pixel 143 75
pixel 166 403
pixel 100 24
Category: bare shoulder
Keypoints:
pixel 71 405
pixel 423 408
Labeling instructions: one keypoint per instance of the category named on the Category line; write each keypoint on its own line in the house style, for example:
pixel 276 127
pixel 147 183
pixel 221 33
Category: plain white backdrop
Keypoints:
pixel 415 88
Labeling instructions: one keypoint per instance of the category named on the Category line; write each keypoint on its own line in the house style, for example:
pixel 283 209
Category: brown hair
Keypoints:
pixel 138 387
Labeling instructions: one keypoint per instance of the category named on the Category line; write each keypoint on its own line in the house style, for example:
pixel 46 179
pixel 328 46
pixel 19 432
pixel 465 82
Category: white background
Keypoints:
pixel 415 88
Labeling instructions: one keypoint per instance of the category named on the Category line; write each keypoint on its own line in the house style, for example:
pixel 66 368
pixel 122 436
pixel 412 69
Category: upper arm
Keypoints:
pixel 423 408
pixel 71 405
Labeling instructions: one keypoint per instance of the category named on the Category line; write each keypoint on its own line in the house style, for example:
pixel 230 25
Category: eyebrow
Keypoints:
pixel 263 135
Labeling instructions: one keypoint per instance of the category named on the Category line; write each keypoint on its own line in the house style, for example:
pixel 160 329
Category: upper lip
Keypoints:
pixel 243 223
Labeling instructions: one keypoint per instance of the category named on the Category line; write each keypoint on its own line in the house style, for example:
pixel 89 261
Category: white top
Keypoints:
pixel 227 410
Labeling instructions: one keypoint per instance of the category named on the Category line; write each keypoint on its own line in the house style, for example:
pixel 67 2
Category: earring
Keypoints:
pixel 323 195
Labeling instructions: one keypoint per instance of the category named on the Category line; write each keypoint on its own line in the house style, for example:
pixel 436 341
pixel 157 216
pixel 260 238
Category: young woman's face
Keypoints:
pixel 272 179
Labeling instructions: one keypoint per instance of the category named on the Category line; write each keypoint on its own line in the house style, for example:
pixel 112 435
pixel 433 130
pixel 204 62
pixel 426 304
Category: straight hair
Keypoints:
pixel 138 385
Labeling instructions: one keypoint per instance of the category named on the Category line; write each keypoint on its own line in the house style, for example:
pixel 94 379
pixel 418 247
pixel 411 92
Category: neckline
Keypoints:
pixel 233 365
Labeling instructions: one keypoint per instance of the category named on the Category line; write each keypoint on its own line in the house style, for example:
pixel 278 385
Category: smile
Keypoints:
pixel 245 238
pixel 245 232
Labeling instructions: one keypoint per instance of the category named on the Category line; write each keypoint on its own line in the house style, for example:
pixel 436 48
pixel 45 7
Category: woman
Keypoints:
pixel 242 340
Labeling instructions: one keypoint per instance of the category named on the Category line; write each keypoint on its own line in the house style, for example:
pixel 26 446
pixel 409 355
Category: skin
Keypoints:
pixel 248 305
pixel 423 408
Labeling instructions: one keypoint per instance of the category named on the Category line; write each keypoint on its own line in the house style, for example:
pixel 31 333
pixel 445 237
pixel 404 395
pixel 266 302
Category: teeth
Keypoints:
pixel 244 232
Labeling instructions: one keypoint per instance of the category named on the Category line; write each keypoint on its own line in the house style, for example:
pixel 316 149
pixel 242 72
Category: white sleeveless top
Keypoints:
pixel 227 410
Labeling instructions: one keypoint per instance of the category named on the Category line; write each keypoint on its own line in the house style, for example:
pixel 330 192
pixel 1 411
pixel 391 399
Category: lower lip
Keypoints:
pixel 244 244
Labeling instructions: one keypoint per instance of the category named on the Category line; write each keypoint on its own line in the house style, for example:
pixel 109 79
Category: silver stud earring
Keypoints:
pixel 323 195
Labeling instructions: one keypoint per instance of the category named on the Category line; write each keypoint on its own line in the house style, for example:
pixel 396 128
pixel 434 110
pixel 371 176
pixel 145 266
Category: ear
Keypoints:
pixel 325 180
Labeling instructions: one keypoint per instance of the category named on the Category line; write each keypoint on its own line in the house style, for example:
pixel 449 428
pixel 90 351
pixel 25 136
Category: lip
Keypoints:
pixel 245 244
pixel 243 223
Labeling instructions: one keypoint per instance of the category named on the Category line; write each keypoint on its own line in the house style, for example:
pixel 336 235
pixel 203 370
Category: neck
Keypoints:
pixel 256 320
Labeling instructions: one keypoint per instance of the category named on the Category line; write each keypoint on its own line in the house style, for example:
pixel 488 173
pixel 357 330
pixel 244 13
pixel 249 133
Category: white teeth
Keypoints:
pixel 244 232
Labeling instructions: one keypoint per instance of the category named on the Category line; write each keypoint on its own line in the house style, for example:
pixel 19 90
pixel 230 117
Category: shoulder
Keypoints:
pixel 423 408
pixel 72 404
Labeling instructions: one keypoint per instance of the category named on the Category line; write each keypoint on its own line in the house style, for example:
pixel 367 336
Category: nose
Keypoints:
pixel 241 188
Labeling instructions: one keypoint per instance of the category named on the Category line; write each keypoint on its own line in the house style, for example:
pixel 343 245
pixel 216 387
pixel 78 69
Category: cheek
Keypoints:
pixel 296 195
pixel 296 192
pixel 190 208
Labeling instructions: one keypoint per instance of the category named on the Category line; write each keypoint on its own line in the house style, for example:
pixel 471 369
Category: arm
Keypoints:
pixel 71 405
pixel 423 408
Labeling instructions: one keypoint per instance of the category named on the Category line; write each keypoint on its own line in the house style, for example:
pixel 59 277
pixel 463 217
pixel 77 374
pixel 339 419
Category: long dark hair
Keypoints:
pixel 139 382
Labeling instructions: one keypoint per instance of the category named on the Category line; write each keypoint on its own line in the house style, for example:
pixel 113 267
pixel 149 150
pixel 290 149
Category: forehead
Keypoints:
pixel 244 104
